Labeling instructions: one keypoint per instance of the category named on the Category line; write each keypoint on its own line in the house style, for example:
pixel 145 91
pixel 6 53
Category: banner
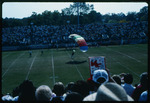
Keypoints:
pixel 96 63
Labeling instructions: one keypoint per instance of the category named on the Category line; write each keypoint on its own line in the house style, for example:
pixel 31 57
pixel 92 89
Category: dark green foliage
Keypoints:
pixel 87 14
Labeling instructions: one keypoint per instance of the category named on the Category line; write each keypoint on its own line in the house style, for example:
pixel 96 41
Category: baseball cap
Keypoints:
pixel 100 76
pixel 109 92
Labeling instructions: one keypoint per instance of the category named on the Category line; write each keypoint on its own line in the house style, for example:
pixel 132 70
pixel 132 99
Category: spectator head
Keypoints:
pixel 15 91
pixel 81 87
pixel 109 92
pixel 74 96
pixel 144 78
pixel 122 75
pixel 26 91
pixel 100 76
pixel 69 86
pixel 26 85
pixel 43 93
pixel 128 78
pixel 117 79
pixel 59 89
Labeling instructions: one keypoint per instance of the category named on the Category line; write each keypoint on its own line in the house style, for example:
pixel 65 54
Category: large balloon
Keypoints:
pixel 80 40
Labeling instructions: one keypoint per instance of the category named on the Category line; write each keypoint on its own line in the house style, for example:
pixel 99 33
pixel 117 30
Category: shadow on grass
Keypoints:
pixel 76 62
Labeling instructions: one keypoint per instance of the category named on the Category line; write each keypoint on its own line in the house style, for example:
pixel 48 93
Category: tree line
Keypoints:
pixel 81 13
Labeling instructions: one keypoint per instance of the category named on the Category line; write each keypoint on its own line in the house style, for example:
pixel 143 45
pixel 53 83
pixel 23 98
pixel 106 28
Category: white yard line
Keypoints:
pixel 144 54
pixel 31 66
pixel 53 67
pixel 76 67
pixel 12 64
pixel 128 56
pixel 79 72
pixel 138 75
pixel 124 65
pixel 125 55
pixel 5 56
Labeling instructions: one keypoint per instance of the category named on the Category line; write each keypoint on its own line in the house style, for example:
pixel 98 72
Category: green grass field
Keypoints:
pixel 56 65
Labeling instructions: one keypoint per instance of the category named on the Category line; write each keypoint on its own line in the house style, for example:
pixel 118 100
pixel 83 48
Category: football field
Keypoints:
pixel 56 65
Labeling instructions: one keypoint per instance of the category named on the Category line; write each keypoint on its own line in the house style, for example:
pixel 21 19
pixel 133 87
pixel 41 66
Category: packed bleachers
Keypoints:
pixel 94 34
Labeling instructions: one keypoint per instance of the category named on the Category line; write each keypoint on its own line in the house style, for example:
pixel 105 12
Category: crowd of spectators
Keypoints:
pixel 101 87
pixel 57 36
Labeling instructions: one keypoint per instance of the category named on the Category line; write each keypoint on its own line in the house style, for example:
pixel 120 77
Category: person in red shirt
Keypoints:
pixel 143 86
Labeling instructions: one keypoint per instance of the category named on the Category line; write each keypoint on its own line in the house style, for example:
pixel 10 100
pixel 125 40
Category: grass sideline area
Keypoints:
pixel 56 65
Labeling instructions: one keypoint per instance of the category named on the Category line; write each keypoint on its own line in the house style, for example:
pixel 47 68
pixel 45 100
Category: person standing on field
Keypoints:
pixel 73 52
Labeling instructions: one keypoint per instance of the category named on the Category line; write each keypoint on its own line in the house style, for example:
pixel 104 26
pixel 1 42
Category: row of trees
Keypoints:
pixel 77 13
